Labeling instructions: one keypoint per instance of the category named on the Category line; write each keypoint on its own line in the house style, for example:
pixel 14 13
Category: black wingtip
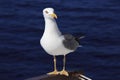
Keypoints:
pixel 78 38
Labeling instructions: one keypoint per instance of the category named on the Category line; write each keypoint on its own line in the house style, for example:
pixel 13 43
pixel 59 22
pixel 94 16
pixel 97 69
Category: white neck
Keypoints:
pixel 51 27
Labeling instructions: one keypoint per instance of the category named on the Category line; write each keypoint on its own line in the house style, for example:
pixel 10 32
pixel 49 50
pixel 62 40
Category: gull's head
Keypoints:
pixel 49 13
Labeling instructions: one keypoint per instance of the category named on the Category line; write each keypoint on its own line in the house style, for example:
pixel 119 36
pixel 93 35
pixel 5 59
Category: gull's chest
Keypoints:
pixel 50 43
pixel 49 40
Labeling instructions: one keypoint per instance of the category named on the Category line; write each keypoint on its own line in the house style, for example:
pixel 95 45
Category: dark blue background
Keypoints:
pixel 22 25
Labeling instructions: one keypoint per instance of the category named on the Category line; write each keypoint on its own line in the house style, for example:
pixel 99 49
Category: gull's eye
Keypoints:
pixel 47 12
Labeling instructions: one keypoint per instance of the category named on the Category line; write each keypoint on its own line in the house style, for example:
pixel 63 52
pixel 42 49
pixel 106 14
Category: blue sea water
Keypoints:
pixel 22 25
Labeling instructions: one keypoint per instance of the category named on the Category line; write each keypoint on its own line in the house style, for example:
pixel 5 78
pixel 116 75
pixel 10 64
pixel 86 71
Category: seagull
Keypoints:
pixel 55 43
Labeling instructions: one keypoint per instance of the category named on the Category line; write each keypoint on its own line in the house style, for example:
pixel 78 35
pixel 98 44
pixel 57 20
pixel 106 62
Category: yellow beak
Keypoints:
pixel 54 15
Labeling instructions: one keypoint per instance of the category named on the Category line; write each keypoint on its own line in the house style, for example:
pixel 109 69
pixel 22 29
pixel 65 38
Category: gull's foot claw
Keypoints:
pixel 53 73
pixel 64 72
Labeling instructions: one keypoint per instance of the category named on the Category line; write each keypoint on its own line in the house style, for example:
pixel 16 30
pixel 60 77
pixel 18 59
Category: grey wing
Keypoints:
pixel 70 42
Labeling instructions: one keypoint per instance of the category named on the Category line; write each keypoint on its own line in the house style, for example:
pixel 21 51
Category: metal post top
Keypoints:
pixel 72 76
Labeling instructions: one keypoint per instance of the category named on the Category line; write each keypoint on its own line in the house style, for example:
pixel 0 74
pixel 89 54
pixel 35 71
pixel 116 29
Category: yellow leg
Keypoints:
pixel 64 72
pixel 55 72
